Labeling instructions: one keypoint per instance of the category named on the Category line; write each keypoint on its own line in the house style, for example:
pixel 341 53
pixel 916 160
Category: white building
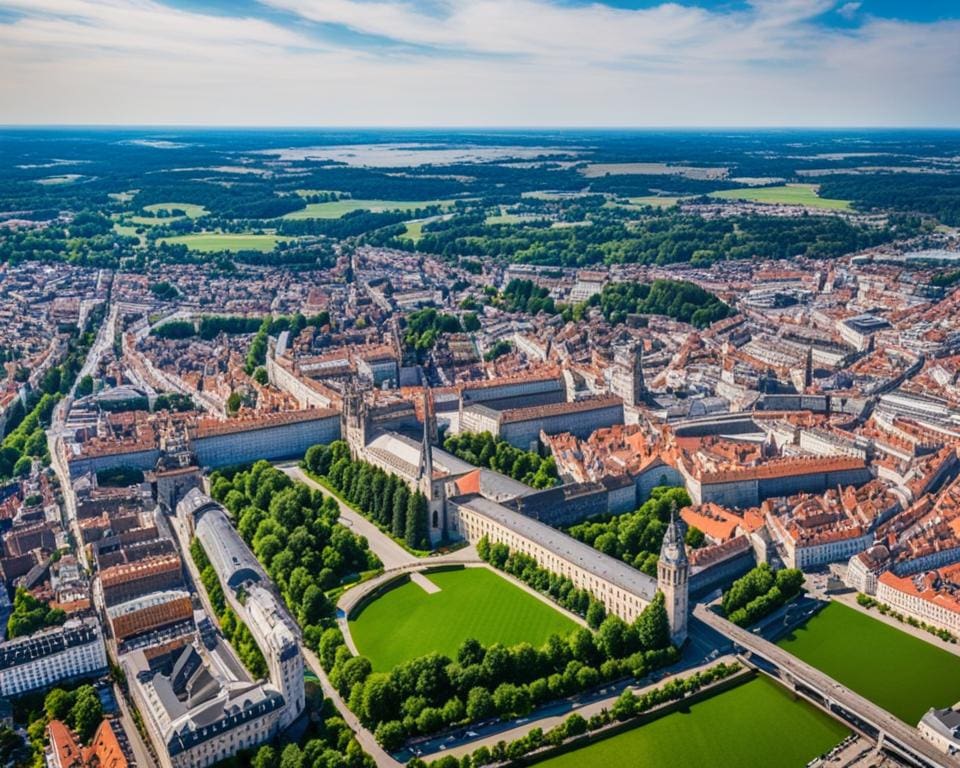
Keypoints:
pixel 70 652
pixel 922 598
pixel 941 727
pixel 198 703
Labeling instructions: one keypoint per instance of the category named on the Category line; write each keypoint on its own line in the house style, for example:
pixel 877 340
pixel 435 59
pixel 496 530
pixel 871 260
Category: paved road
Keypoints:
pixel 391 554
pixel 851 701
pixel 364 737
pixel 141 754
pixel 554 713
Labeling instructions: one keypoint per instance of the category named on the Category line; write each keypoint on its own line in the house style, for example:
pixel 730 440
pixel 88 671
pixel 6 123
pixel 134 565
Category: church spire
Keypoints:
pixel 426 447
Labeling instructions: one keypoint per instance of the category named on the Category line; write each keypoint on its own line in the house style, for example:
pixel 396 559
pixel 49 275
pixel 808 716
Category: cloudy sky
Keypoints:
pixel 481 62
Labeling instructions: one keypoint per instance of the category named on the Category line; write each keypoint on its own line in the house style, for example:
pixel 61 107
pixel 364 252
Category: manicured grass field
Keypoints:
pixel 899 672
pixel 406 622
pixel 755 725
pixel 338 208
pixel 209 242
pixel 192 211
pixel 785 194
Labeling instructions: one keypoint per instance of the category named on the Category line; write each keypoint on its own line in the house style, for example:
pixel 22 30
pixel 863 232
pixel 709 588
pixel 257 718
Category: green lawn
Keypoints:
pixel 755 725
pixel 901 673
pixel 785 194
pixel 338 208
pixel 406 622
pixel 414 229
pixel 192 211
pixel 209 242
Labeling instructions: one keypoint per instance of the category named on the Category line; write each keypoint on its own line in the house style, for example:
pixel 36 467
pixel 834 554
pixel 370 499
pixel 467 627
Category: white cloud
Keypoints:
pixel 527 62
pixel 849 10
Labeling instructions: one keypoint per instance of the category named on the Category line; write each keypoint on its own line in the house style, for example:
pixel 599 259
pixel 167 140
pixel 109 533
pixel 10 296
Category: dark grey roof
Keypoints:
pixel 560 544
pixel 231 557
pixel 26 649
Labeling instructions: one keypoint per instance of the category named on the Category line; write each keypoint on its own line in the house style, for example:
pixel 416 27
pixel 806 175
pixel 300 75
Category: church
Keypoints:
pixel 467 502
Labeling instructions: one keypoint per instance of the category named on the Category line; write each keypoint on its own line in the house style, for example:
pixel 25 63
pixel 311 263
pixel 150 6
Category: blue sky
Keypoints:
pixel 481 62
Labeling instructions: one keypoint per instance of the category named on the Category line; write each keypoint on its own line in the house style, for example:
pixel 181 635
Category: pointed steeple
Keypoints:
pixel 673 551
pixel 426 447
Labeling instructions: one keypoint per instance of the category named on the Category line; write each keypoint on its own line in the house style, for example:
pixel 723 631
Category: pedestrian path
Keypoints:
pixel 424 583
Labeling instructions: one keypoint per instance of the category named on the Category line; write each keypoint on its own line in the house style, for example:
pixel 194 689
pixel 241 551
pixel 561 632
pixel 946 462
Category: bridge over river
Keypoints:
pixel 862 715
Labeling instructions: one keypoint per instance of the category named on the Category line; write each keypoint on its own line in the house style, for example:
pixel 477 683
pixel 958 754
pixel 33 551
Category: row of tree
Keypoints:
pixel 628 706
pixel 210 326
pixel 432 692
pixel 760 592
pixel 295 533
pixel 635 537
pixel 380 496
pixel 650 631
pixel 235 631
pixel 484 450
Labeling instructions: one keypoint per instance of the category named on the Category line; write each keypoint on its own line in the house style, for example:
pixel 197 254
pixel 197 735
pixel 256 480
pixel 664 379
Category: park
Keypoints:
pixel 471 603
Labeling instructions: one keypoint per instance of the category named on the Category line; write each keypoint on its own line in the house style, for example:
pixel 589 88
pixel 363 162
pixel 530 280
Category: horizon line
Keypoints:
pixel 465 127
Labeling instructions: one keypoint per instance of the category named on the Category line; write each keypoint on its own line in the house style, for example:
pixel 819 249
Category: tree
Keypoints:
pixel 315 606
pixel 653 625
pixel 58 704
pixel 613 637
pixel 390 735
pixel 694 537
pixel 401 499
pixel 470 652
pixel 87 713
pixel 266 757
pixel 480 703
pixel 291 757
pixel 416 535
pixel 595 614
pixel 379 699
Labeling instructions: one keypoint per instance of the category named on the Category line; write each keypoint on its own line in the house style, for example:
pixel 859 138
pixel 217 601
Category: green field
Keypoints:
pixel 785 194
pixel 901 673
pixel 755 725
pixel 338 208
pixel 192 211
pixel 656 201
pixel 504 218
pixel 209 242
pixel 414 229
pixel 406 622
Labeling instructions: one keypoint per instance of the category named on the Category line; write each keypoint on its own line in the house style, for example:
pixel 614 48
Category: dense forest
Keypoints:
pixel 94 179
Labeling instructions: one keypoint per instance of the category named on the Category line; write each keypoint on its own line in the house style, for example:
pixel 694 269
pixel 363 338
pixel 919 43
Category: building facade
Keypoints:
pixel 38 662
